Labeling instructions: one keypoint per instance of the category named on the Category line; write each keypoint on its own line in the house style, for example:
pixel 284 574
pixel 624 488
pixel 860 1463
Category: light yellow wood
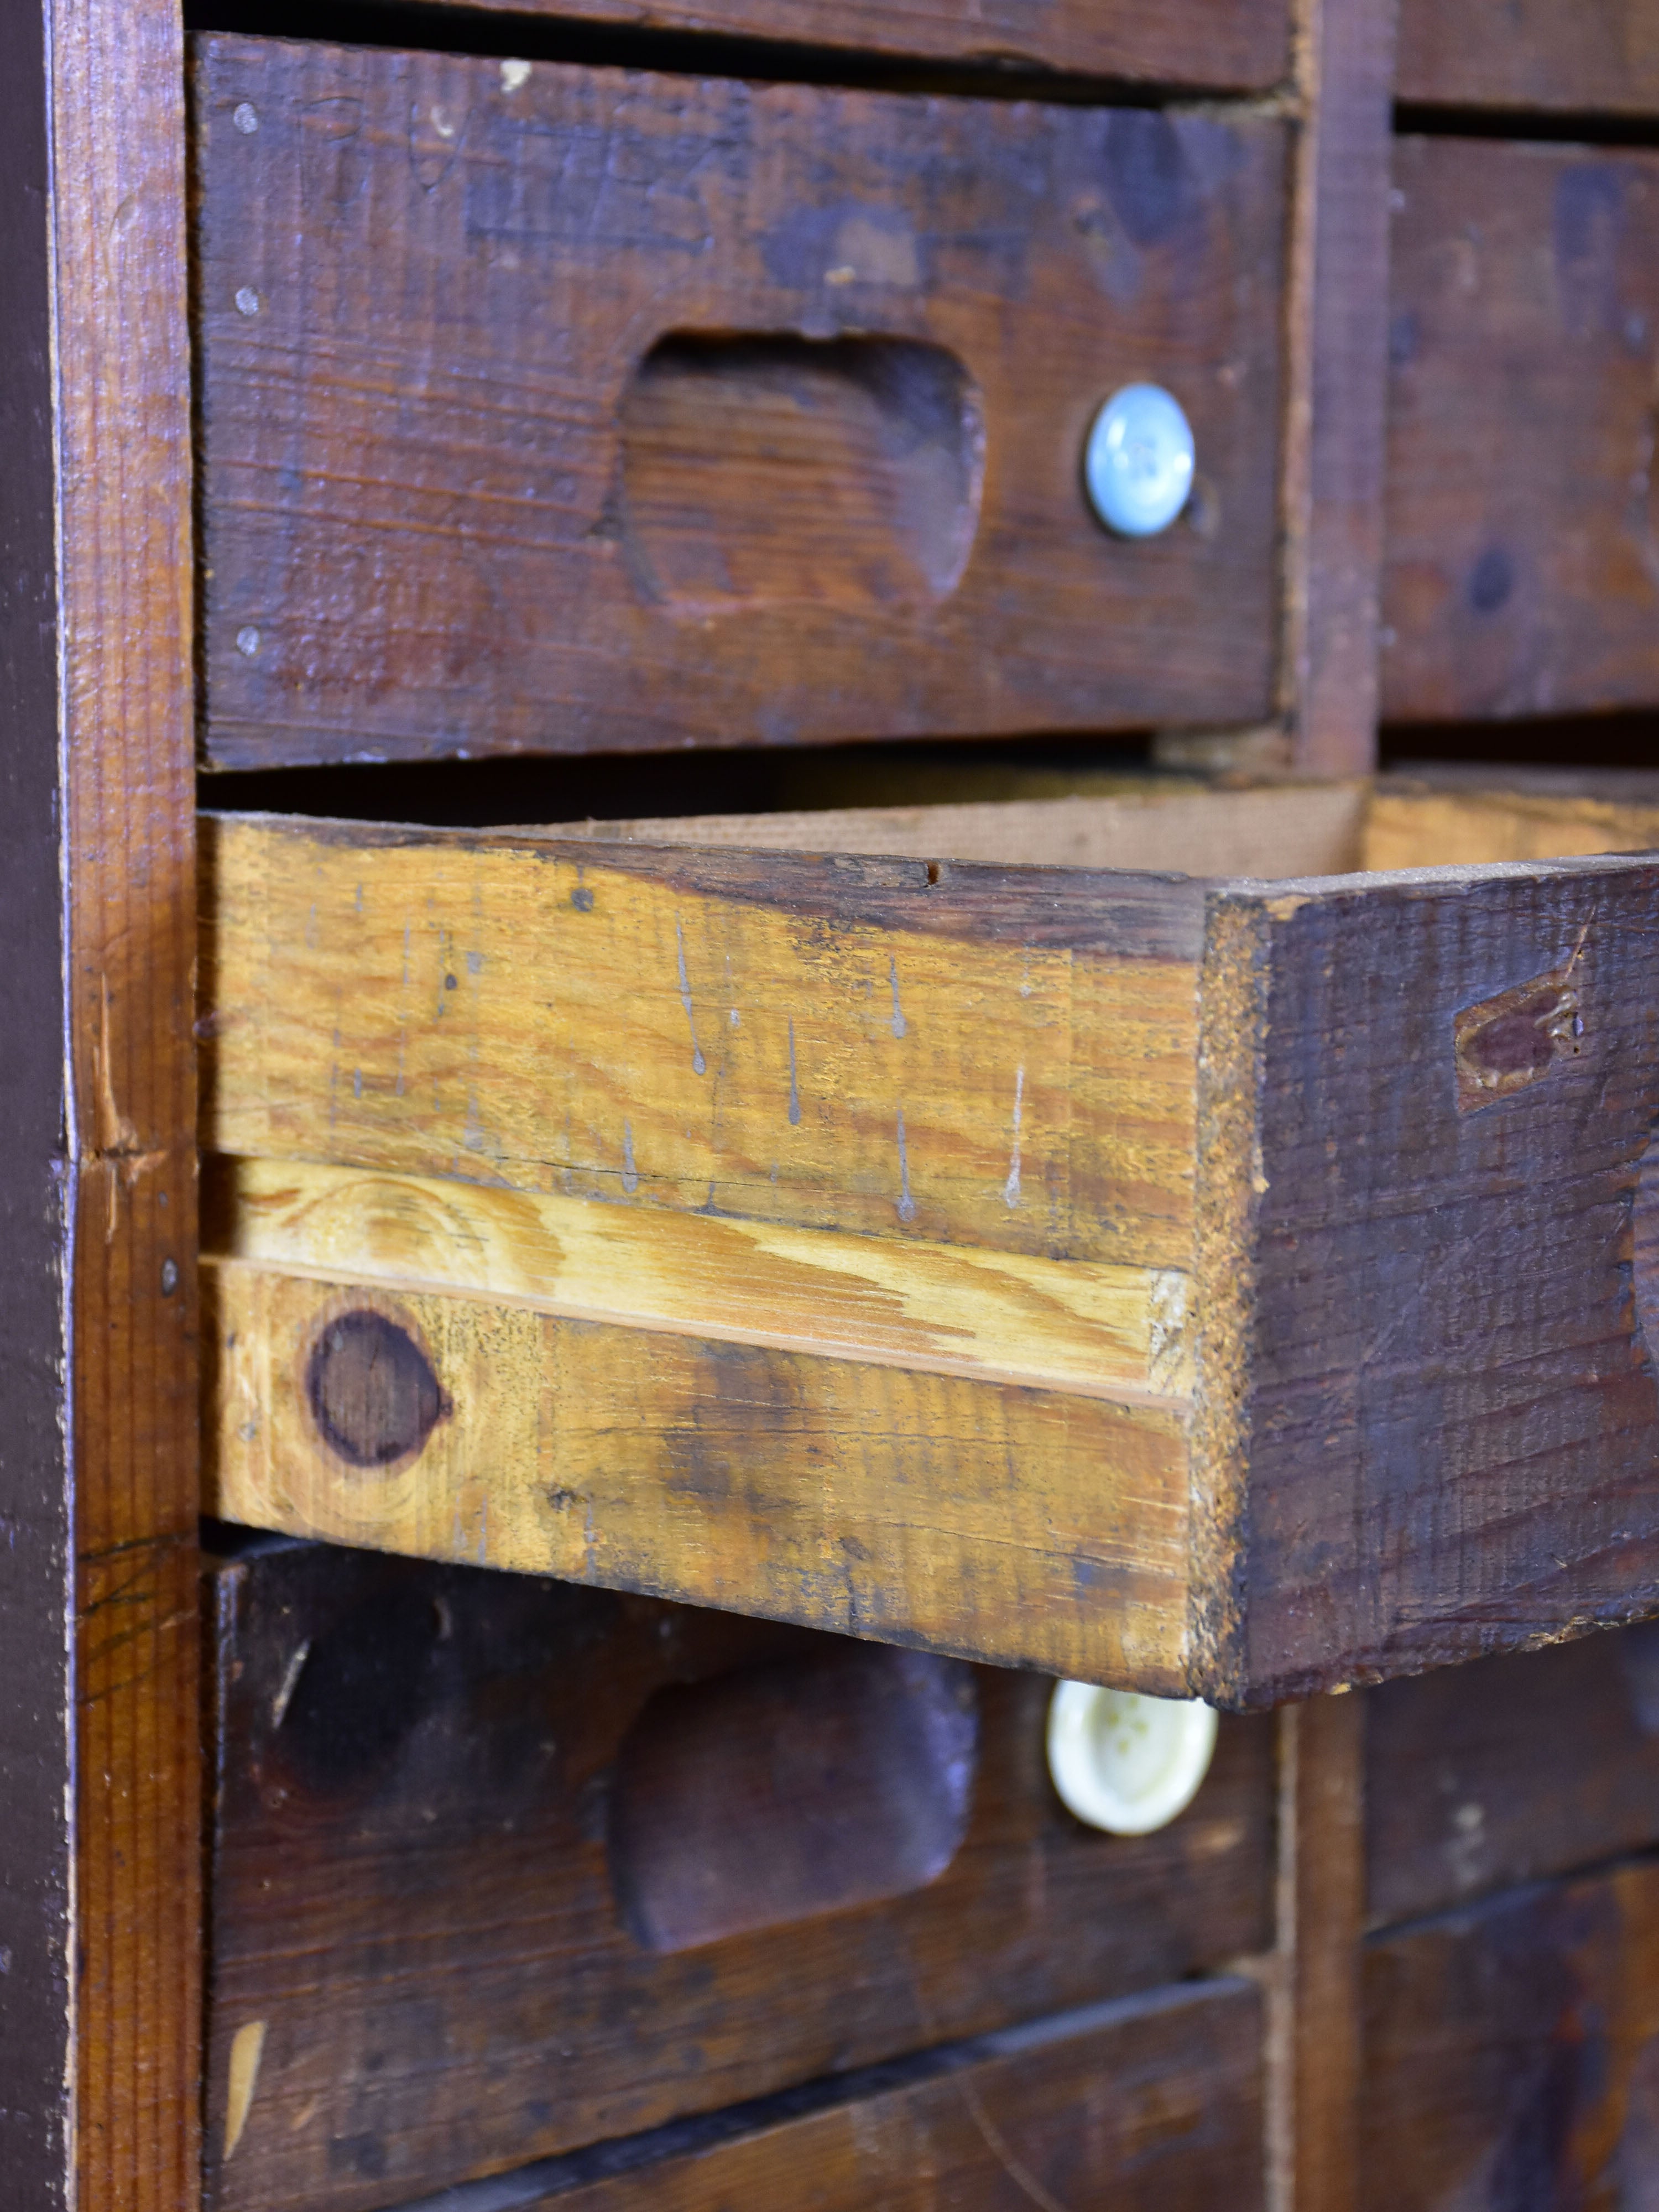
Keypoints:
pixel 1034 1527
pixel 1108 1331
pixel 447 1004
pixel 1285 829
pixel 1470 828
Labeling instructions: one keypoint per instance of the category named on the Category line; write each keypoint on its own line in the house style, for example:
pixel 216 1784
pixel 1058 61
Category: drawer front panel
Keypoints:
pixel 595 410
pixel 1511 2052
pixel 1483 1776
pixel 1154 2107
pixel 1574 57
pixel 454 1922
pixel 1521 568
pixel 1230 45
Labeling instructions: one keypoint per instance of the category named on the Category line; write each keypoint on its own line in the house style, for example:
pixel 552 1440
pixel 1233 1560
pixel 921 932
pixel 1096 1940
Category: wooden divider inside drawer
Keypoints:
pixel 1210 1287
pixel 559 409
pixel 1152 2105
pixel 503 1867
pixel 1521 568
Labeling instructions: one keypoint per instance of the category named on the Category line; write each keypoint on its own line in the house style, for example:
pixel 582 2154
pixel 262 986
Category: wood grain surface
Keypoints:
pixel 1445 1438
pixel 1594 57
pixel 1100 1330
pixel 901 1049
pixel 1237 45
pixel 1512 2050
pixel 1154 2104
pixel 600 410
pixel 1482 1776
pixel 1029 1526
pixel 98 414
pixel 1337 375
pixel 1524 313
pixel 420 1903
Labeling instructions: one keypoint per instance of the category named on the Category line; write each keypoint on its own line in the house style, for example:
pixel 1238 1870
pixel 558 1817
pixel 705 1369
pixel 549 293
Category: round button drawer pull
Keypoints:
pixel 1126 1763
pixel 1138 464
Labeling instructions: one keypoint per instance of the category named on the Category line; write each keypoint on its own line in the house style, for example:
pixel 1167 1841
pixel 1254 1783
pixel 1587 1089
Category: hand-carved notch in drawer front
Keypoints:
pixel 1093 1271
pixel 549 408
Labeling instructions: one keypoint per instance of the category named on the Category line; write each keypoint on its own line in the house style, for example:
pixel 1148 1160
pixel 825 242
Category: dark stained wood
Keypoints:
pixel 1512 2052
pixel 36 1587
pixel 1234 46
pixel 1510 1769
pixel 611 410
pixel 98 1193
pixel 1149 2106
pixel 1339 320
pixel 1314 2012
pixel 1523 564
pixel 426 1860
pixel 1428 1420
pixel 1573 57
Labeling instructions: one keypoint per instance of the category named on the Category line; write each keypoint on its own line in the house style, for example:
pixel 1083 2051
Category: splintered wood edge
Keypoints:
pixel 1093 1329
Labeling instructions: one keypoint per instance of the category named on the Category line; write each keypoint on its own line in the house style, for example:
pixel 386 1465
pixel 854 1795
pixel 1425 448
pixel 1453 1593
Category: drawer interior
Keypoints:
pixel 862 1219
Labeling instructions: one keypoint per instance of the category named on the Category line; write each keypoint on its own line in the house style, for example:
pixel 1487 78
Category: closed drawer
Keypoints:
pixel 1482 1776
pixel 1152 2106
pixel 1511 2052
pixel 1218 1288
pixel 1574 57
pixel 1522 566
pixel 1237 44
pixel 555 409
pixel 502 1868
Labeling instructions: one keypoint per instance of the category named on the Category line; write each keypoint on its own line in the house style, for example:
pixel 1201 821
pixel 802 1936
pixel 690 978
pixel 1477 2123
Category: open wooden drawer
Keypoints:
pixel 1228 1283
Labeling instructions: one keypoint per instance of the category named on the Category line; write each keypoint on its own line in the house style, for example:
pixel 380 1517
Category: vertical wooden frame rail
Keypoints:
pixel 1337 379
pixel 101 1753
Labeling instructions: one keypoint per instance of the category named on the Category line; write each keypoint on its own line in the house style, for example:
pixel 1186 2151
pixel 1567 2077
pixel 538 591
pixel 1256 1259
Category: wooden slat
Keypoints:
pixel 1337 367
pixel 418 1864
pixel 891 1049
pixel 1101 1331
pixel 1594 56
pixel 100 794
pixel 1510 2049
pixel 1525 304
pixel 1153 2106
pixel 1238 46
pixel 422 360
pixel 1511 1769
pixel 1037 1528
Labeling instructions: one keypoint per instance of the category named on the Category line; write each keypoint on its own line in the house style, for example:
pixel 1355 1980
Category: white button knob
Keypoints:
pixel 1126 1763
pixel 1137 464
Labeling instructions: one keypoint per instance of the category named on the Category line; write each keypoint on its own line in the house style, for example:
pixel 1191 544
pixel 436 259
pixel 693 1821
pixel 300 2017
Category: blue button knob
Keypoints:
pixel 1137 464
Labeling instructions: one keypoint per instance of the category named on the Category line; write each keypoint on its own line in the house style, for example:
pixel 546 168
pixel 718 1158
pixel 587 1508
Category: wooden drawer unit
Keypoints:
pixel 1212 1287
pixel 554 409
pixel 502 1868
pixel 1154 2106
pixel 1521 572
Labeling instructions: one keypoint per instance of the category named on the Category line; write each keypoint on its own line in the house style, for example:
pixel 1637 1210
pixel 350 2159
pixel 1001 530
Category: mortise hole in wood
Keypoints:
pixel 760 471
pixel 780 1792
pixel 371 1389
